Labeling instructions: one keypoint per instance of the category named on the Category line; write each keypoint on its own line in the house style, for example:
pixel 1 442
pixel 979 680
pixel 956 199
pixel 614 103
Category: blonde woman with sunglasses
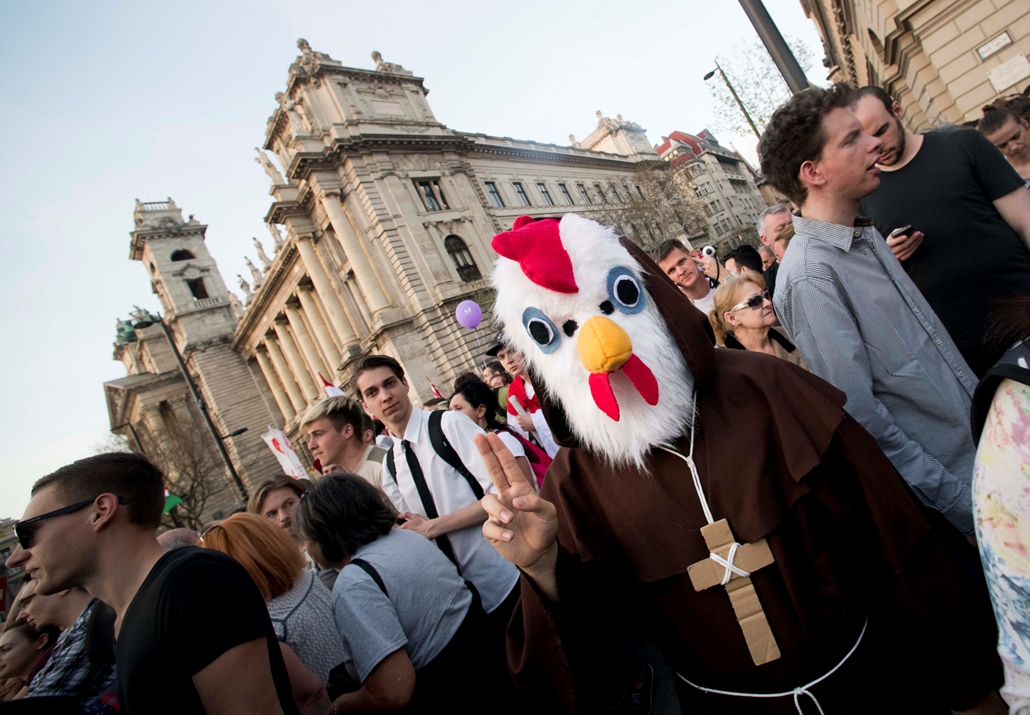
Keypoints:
pixel 743 318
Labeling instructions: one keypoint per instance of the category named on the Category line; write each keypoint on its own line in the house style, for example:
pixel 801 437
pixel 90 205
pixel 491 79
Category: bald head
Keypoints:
pixel 177 538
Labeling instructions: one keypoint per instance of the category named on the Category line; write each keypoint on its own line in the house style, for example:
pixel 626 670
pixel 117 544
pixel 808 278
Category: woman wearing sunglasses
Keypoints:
pixel 743 318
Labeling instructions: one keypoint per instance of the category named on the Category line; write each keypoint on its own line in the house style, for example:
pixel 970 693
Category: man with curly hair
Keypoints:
pixel 855 314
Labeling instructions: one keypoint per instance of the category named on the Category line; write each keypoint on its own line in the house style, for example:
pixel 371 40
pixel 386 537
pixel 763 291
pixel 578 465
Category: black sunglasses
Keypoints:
pixel 25 535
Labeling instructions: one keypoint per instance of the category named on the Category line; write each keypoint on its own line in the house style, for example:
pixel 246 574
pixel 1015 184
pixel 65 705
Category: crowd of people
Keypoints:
pixel 512 548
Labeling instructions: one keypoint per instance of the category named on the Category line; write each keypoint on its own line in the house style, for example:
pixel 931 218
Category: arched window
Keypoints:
pixel 463 261
pixel 182 255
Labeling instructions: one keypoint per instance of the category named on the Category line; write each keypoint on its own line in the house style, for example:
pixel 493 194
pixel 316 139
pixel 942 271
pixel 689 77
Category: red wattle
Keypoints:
pixel 604 398
pixel 642 378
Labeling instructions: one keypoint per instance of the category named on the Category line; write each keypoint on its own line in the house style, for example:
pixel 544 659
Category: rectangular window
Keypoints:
pixel 583 193
pixel 543 192
pixel 600 192
pixel 495 195
pixel 640 192
pixel 523 197
pixel 615 192
pixel 432 195
pixel 565 193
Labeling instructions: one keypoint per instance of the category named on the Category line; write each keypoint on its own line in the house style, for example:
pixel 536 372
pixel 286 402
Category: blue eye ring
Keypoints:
pixel 625 290
pixel 541 329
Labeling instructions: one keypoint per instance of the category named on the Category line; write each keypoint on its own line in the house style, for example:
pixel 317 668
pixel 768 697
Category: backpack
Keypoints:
pixel 445 451
pixel 538 459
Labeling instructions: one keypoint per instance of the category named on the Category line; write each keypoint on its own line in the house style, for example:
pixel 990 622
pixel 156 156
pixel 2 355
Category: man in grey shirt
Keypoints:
pixel 855 314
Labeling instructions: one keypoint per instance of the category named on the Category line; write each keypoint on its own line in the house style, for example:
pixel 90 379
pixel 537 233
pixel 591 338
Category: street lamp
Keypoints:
pixel 145 320
pixel 735 97
pixel 785 61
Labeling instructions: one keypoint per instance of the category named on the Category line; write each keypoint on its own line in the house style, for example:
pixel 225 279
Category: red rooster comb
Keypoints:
pixel 536 246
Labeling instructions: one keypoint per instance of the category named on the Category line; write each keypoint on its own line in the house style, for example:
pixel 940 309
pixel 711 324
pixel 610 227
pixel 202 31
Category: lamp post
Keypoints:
pixel 145 320
pixel 776 45
pixel 735 97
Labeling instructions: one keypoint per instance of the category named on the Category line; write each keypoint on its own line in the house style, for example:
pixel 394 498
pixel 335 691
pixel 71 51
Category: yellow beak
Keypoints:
pixel 603 346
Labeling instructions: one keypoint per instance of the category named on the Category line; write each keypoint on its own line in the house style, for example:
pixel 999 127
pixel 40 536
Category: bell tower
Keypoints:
pixel 182 273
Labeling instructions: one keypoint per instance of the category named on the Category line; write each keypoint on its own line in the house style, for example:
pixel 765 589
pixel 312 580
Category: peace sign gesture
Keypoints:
pixel 520 524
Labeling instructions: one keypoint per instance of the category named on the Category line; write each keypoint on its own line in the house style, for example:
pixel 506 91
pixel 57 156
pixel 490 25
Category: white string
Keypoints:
pixel 796 693
pixel 727 563
pixel 689 459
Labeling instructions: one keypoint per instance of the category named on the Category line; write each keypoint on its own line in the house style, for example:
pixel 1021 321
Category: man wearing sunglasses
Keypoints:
pixel 192 631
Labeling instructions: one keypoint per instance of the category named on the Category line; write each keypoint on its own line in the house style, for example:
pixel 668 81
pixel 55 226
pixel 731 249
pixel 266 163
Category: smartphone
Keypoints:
pixel 899 231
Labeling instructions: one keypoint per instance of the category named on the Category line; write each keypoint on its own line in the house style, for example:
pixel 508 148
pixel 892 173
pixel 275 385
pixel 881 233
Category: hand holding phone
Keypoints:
pixel 903 242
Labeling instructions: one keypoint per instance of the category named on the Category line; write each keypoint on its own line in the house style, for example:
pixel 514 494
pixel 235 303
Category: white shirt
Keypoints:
pixel 707 304
pixel 478 561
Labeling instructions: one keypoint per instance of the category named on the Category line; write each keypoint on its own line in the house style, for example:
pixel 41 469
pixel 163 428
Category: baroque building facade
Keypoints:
pixel 381 219
pixel 724 183
pixel 941 59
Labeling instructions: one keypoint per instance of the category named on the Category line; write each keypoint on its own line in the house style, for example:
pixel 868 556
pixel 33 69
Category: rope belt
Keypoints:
pixel 796 693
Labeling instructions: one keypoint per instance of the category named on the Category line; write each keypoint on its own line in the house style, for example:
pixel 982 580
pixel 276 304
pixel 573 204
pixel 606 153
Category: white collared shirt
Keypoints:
pixel 493 576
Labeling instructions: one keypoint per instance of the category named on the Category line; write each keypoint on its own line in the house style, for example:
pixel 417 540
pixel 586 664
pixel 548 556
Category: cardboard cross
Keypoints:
pixel 748 557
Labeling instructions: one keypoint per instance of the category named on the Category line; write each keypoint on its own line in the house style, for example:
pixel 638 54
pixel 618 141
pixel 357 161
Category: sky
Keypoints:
pixel 106 102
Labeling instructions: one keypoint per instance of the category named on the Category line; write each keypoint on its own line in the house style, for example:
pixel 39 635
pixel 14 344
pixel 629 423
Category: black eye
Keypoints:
pixel 540 331
pixel 607 308
pixel 570 327
pixel 625 291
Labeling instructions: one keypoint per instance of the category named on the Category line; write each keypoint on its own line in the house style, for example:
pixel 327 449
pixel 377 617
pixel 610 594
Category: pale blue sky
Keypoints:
pixel 105 102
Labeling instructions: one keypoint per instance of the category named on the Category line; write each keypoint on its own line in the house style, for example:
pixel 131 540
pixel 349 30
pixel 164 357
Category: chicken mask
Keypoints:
pixel 572 299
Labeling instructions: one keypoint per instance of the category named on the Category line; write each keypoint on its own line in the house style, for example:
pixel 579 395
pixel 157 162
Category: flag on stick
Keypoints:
pixel 171 501
pixel 436 393
pixel 331 390
pixel 283 451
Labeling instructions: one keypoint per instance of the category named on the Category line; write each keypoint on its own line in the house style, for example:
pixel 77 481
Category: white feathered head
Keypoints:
pixel 573 300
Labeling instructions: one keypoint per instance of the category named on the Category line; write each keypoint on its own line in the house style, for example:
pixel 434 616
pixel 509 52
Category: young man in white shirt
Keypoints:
pixel 531 420
pixel 336 438
pixel 435 499
pixel 685 271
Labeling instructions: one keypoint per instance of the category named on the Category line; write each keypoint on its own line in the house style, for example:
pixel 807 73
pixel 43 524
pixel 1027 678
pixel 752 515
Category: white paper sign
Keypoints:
pixel 1008 73
pixel 283 451
pixel 993 45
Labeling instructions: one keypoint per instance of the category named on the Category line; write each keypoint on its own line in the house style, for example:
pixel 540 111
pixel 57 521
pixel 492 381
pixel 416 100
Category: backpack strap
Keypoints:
pixel 370 570
pixel 446 452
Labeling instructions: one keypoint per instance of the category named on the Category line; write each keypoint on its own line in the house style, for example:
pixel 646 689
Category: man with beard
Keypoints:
pixel 721 500
pixel 969 214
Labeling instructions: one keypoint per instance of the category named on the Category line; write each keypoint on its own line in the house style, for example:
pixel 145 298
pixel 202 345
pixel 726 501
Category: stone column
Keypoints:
pixel 285 376
pixel 359 262
pixel 296 361
pixel 281 398
pixel 325 291
pixel 319 328
pixel 307 345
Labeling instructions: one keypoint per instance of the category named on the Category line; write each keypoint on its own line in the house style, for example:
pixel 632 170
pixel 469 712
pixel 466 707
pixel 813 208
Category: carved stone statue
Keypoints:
pixel 245 287
pixel 303 45
pixel 277 238
pixel 572 140
pixel 387 67
pixel 254 272
pixel 290 107
pixel 269 167
pixel 261 253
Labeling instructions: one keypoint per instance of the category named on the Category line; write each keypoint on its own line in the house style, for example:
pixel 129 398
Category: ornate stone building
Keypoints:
pixel 722 180
pixel 941 59
pixel 152 405
pixel 381 220
pixel 386 218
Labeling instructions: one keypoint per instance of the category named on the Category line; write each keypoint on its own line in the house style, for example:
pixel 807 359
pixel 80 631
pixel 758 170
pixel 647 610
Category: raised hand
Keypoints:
pixel 520 524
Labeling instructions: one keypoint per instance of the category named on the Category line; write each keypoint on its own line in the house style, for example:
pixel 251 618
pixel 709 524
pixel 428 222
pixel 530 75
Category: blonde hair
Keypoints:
pixel 727 295
pixel 340 411
pixel 262 548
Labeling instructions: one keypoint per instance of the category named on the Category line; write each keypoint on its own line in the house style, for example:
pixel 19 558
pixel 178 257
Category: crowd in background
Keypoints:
pixel 902 277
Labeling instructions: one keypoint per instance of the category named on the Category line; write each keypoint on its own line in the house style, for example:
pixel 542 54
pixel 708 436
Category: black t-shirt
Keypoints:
pixel 195 605
pixel 969 258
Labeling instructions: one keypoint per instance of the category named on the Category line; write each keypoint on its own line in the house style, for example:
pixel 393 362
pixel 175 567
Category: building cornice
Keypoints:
pixel 258 305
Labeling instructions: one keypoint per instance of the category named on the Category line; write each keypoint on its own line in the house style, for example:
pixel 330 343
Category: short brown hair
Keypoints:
pixel 660 252
pixel 795 135
pixel 340 411
pixel 371 362
pixel 124 474
pixel 283 481
pixel 266 551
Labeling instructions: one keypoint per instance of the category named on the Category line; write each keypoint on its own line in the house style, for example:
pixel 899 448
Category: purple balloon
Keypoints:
pixel 469 314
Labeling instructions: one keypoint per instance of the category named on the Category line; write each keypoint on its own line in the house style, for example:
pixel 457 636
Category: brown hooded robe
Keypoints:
pixel 779 458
